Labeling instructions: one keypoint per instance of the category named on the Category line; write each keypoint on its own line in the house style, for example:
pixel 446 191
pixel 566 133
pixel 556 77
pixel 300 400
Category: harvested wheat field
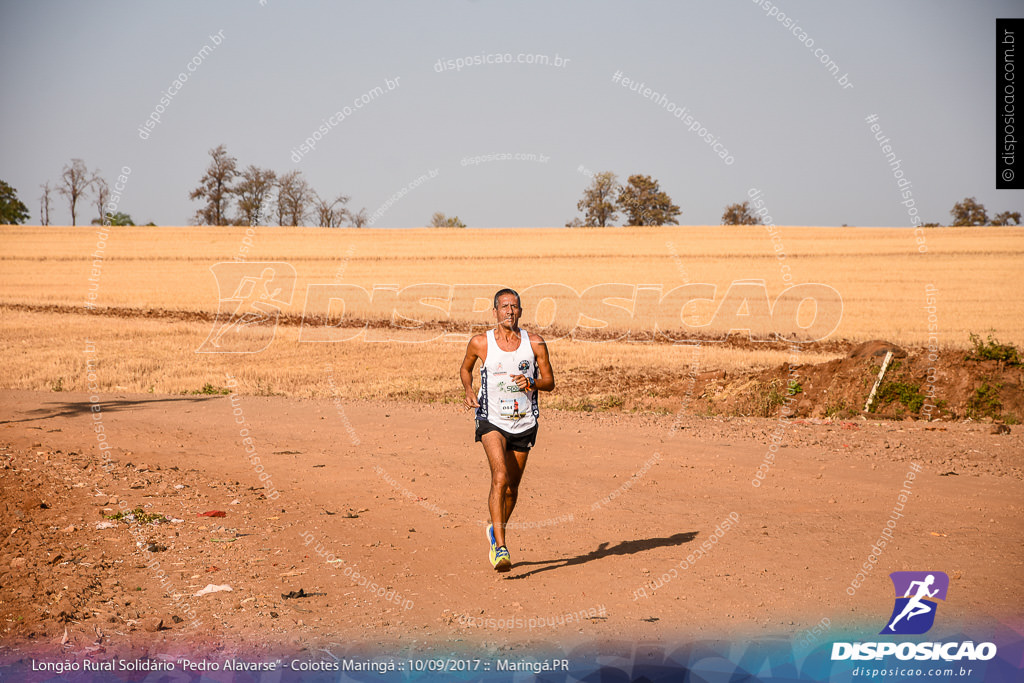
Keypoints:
pixel 601 297
pixel 290 425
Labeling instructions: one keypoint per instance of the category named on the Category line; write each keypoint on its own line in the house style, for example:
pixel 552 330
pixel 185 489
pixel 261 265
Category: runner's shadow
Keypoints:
pixel 623 548
pixel 78 408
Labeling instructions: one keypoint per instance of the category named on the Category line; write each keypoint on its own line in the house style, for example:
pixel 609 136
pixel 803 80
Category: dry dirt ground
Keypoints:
pixel 612 508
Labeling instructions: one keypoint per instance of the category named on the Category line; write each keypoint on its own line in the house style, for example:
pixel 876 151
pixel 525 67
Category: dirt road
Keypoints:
pixel 642 528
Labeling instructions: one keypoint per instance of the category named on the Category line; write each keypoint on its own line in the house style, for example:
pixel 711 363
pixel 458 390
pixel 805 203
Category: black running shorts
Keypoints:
pixel 521 442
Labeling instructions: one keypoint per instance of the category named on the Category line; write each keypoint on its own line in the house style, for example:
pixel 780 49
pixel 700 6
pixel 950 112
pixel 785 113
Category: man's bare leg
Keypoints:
pixel 506 473
pixel 515 464
pixel 494 448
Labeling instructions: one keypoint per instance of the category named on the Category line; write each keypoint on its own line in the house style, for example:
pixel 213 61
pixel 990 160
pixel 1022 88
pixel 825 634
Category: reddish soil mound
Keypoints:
pixel 950 387
pixel 876 347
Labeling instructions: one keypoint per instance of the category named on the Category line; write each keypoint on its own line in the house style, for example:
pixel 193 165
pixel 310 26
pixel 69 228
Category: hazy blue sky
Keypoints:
pixel 80 78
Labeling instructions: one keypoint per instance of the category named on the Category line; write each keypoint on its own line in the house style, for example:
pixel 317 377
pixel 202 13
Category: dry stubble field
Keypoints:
pixel 156 297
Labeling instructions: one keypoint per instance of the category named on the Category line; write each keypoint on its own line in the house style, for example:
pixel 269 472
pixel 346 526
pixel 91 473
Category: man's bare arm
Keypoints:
pixel 476 349
pixel 546 381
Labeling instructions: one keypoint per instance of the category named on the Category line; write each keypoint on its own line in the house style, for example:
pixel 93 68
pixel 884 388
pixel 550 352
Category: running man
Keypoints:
pixel 915 606
pixel 514 366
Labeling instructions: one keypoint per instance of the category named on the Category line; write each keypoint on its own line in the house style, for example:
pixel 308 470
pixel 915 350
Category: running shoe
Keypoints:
pixel 502 561
pixel 493 543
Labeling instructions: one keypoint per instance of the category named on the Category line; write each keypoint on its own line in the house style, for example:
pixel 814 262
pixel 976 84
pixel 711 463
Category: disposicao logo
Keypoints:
pixel 914 611
pixel 913 614
pixel 251 297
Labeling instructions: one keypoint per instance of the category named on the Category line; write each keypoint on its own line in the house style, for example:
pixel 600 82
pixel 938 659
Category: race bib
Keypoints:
pixel 511 409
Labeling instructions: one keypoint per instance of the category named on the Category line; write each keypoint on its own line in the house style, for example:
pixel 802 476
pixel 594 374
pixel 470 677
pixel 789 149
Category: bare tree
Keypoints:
pixel 253 191
pixel 282 210
pixel 330 213
pixel 359 220
pixel 293 198
pixel 75 181
pixel 44 203
pixel 102 196
pixel 215 188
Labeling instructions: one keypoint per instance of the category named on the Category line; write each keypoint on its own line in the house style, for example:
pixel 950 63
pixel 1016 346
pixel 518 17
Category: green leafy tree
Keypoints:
pixel 643 202
pixel 738 214
pixel 969 212
pixel 12 210
pixel 439 220
pixel 117 218
pixel 598 203
pixel 215 188
pixel 1006 218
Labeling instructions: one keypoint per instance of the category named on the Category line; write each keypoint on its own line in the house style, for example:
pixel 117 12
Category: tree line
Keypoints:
pixel 77 185
pixel 642 202
pixel 256 196
pixel 965 213
pixel 260 196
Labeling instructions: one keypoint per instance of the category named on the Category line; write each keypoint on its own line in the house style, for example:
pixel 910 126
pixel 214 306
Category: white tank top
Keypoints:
pixel 502 402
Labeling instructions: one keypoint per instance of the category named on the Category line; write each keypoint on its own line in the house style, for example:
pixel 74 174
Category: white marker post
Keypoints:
pixel 881 374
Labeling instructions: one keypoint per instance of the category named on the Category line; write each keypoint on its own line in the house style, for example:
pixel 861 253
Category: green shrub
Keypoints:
pixel 985 401
pixel 138 515
pixel 901 392
pixel 210 390
pixel 993 350
pixel 610 401
pixel 839 410
pixel 768 397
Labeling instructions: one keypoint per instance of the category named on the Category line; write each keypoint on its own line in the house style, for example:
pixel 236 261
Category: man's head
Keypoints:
pixel 507 308
pixel 503 292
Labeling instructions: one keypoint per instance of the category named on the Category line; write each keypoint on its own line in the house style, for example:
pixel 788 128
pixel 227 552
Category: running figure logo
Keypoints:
pixel 247 318
pixel 914 612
